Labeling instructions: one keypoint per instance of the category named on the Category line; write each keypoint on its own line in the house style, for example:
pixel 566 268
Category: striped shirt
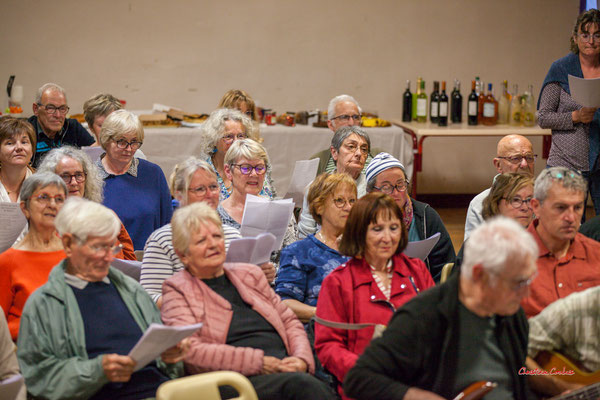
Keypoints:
pixel 570 326
pixel 160 261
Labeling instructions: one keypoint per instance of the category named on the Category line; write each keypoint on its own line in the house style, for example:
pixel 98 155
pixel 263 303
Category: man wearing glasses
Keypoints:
pixel 514 154
pixel 53 128
pixel 568 262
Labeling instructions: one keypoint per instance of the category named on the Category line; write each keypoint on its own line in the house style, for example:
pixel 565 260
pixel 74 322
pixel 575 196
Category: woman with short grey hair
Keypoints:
pixel 222 128
pixel 25 266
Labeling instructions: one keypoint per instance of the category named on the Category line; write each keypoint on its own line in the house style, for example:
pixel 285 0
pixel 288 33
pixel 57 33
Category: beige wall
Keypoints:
pixel 290 55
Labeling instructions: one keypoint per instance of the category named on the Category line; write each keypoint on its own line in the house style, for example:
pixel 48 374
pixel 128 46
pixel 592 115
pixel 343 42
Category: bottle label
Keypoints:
pixel 443 109
pixel 422 107
pixel 434 109
pixel 489 110
pixel 473 108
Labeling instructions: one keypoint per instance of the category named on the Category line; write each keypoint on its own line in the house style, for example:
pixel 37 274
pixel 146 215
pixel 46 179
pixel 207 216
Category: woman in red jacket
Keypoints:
pixel 368 288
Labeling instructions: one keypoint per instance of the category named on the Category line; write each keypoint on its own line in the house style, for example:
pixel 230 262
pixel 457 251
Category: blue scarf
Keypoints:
pixel 559 72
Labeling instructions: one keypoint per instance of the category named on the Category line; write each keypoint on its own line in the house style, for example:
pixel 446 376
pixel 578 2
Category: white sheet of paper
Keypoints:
pixel 421 248
pixel 585 91
pixel 254 250
pixel 263 215
pixel 94 152
pixel 157 339
pixel 128 267
pixel 304 173
pixel 12 222
pixel 9 388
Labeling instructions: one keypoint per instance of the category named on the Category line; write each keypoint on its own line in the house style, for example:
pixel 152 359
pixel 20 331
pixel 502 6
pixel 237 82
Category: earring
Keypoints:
pixel 214 150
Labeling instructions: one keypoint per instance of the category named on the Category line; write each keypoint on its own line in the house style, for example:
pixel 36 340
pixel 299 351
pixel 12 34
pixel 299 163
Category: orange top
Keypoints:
pixel 127 252
pixel 21 273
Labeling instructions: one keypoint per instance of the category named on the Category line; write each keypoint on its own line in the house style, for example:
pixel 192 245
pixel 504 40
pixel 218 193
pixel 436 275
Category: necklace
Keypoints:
pixel 324 240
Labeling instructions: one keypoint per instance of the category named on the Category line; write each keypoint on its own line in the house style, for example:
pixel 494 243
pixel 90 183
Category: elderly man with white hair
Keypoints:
pixel 77 329
pixel 467 330
pixel 52 127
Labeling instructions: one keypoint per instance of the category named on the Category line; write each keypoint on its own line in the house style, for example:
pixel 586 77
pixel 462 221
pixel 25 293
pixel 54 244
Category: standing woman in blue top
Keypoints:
pixel 306 263
pixel 575 129
pixel 135 189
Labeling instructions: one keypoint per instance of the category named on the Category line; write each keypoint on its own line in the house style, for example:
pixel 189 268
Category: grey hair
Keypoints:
pixel 99 105
pixel 495 244
pixel 119 123
pixel 342 133
pixel 568 178
pixel 83 218
pixel 338 99
pixel 48 86
pixel 94 184
pixel 214 127
pixel 246 148
pixel 187 220
pixel 40 180
pixel 180 178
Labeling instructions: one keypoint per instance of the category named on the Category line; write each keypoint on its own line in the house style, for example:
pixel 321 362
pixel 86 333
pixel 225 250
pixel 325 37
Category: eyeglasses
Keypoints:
pixel 79 177
pixel 122 144
pixel 388 188
pixel 341 203
pixel 51 109
pixel 45 199
pixel 101 250
pixel 246 169
pixel 351 147
pixel 518 285
pixel 564 173
pixel 346 117
pixel 201 190
pixel 249 113
pixel 529 158
pixel 517 202
pixel 586 37
pixel 230 138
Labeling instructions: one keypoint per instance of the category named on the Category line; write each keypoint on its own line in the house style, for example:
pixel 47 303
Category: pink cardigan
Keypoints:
pixel 187 300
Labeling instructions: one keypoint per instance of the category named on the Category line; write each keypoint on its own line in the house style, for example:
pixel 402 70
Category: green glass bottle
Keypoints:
pixel 422 104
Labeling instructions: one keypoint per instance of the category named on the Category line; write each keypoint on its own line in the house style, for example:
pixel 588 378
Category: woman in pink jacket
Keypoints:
pixel 246 326
pixel 368 288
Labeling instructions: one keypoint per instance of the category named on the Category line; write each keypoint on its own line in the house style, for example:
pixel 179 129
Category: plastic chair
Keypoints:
pixel 206 387
pixel 446 271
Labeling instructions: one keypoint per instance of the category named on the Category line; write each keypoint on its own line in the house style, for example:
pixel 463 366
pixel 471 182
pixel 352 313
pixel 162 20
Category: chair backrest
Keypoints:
pixel 139 254
pixel 206 387
pixel 446 270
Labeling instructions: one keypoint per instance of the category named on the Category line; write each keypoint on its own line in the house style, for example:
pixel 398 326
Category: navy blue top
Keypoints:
pixel 304 265
pixel 141 199
pixel 110 328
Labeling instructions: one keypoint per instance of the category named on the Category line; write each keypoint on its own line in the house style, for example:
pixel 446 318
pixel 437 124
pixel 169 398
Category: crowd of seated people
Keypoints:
pixel 310 322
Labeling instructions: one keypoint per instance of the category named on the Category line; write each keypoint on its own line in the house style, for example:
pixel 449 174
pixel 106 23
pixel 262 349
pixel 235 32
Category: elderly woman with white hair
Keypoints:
pixel 82 178
pixel 135 189
pixel 222 128
pixel 25 266
pixel 77 329
pixel 246 326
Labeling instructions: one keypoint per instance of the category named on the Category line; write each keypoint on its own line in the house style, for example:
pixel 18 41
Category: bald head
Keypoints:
pixel 512 154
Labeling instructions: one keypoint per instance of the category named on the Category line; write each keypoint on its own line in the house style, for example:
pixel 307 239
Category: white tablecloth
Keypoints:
pixel 285 145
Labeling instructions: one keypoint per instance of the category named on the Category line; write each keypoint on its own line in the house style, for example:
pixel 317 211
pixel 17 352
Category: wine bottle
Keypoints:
pixel 480 101
pixel 443 107
pixel 504 104
pixel 407 104
pixel 472 105
pixel 456 101
pixel 434 102
pixel 515 107
pixel 422 104
pixel 528 107
pixel 414 99
pixel 490 108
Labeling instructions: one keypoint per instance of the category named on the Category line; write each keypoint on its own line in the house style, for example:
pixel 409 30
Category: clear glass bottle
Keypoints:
pixel 504 104
pixel 515 107
pixel 528 105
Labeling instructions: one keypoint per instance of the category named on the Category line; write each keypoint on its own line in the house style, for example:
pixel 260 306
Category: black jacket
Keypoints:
pixel 428 222
pixel 420 348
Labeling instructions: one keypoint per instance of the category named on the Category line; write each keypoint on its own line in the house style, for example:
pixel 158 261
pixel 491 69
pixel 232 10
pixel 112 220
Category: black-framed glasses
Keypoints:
pixel 246 169
pixel 123 144
pixel 201 190
pixel 79 177
pixel 586 37
pixel 51 108
pixel 46 199
pixel 529 158
pixel 388 188
pixel 346 117
pixel 341 202
pixel 517 202
pixel 230 137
